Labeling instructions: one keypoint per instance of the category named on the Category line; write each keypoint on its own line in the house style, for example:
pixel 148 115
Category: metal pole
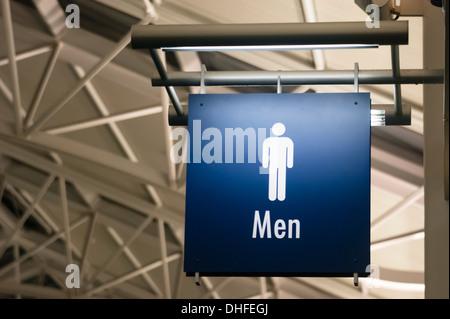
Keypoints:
pixel 104 120
pixel 213 291
pixel 27 213
pixel 66 222
pixel 172 178
pixel 402 205
pixel 116 131
pixel 134 261
pixel 91 74
pixel 395 57
pixel 87 245
pixel 12 64
pixel 165 263
pixel 114 256
pixel 43 84
pixel 41 246
pixel 35 213
pixel 145 207
pixel 170 90
pixel 418 234
pixel 132 274
pixel 2 186
pixel 28 54
pixel 327 77
pixel 338 33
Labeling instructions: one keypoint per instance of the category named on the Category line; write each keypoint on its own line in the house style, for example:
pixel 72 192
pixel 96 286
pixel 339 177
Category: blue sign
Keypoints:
pixel 278 184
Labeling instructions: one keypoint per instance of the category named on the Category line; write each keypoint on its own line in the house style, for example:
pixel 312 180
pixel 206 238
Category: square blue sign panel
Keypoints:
pixel 278 184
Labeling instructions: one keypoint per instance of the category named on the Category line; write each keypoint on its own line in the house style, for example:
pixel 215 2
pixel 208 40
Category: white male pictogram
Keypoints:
pixel 278 153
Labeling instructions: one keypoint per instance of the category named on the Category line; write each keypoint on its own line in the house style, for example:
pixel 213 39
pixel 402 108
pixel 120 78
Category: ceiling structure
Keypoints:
pixel 93 184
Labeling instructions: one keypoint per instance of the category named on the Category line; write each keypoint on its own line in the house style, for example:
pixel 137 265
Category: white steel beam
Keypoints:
pixel 164 259
pixel 382 243
pixel 27 213
pixel 399 207
pixel 128 8
pixel 104 189
pixel 119 136
pixel 28 54
pixel 135 171
pixel 17 274
pixel 131 275
pixel 66 220
pixel 87 245
pixel 89 76
pixel 42 84
pixel 213 292
pixel 53 15
pixel 2 186
pixel 42 213
pixel 35 213
pixel 117 253
pixel 309 12
pixel 9 36
pixel 6 92
pixel 172 174
pixel 41 246
pixel 104 120
pixel 134 261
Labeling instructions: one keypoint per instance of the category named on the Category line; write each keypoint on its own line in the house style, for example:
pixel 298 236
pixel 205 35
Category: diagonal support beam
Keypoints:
pixel 399 207
pixel 132 274
pixel 28 54
pixel 66 220
pixel 9 36
pixel 2 186
pixel 42 85
pixel 87 245
pixel 117 253
pixel 104 120
pixel 88 77
pixel 116 131
pixel 134 261
pixel 167 132
pixel 165 265
pixel 27 214
pixel 41 246
pixel 36 215
pixel 143 206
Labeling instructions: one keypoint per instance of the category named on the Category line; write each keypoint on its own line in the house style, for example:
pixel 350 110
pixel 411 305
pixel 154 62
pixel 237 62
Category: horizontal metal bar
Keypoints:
pixel 335 77
pixel 388 116
pixel 105 120
pixel 158 36
pixel 220 48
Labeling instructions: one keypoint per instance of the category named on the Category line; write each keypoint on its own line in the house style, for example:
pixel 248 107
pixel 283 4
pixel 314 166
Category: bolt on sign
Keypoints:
pixel 277 184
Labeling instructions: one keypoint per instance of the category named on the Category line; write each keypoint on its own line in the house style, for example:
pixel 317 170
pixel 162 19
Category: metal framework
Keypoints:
pixel 270 37
pixel 94 218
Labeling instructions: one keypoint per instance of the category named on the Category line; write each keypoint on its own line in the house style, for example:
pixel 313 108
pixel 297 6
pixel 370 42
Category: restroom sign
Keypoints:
pixel 276 184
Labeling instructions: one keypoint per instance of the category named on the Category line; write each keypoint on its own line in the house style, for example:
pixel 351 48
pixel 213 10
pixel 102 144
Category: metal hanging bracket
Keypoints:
pixel 202 79
pixel 196 37
pixel 197 278
pixel 279 85
pixel 355 279
pixel 356 74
